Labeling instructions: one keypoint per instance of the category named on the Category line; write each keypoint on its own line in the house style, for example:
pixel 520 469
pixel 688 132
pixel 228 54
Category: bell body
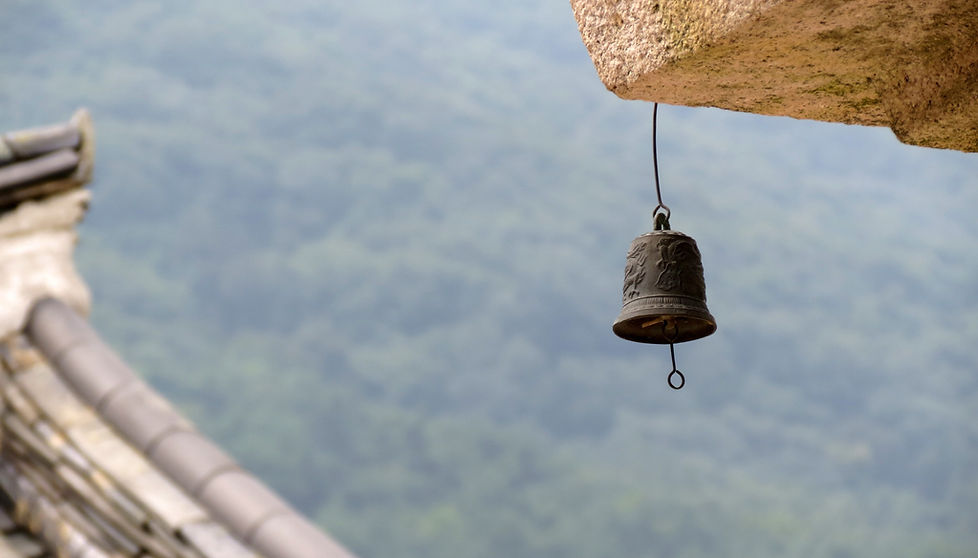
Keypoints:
pixel 664 297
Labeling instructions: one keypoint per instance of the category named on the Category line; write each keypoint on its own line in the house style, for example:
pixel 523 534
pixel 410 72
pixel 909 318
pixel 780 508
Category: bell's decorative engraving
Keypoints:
pixel 664 296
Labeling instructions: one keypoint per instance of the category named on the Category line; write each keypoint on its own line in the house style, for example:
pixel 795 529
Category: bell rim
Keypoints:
pixel 705 323
pixel 621 329
pixel 698 302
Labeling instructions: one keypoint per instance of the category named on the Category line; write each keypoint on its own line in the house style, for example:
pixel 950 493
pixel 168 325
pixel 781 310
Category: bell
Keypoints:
pixel 664 297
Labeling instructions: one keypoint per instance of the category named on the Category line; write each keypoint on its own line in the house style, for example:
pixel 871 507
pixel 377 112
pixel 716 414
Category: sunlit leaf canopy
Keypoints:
pixel 375 250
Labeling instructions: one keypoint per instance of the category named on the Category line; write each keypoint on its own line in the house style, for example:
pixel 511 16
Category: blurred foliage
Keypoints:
pixel 375 250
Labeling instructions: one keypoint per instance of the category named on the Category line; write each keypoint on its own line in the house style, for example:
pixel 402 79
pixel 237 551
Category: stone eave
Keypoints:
pixel 911 66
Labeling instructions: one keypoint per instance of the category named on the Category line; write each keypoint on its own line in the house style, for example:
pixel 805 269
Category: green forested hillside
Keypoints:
pixel 375 250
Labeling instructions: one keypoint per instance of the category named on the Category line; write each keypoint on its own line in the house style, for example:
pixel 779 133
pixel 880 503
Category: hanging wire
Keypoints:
pixel 661 209
pixel 675 371
pixel 671 338
pixel 660 216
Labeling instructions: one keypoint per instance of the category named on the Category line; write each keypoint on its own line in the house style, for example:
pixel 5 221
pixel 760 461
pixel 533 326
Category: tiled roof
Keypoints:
pixel 15 540
pixel 93 462
pixel 41 161
pixel 75 483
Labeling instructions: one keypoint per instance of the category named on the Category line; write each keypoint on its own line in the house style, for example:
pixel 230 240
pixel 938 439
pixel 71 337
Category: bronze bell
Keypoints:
pixel 664 297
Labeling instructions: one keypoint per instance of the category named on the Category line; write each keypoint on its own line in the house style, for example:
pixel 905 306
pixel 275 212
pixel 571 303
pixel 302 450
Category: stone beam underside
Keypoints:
pixel 912 66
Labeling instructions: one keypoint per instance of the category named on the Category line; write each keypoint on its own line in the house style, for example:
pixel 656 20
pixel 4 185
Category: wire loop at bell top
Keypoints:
pixel 660 217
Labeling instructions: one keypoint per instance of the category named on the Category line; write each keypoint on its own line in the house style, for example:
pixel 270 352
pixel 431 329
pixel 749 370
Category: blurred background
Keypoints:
pixel 375 249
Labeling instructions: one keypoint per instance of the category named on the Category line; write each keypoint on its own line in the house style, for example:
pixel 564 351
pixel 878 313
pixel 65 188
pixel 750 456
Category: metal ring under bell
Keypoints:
pixel 682 379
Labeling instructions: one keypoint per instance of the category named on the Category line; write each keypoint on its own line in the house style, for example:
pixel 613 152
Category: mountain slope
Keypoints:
pixel 376 251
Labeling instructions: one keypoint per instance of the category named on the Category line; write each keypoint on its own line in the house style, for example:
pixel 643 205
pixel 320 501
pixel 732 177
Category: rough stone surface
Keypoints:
pixel 37 242
pixel 912 66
